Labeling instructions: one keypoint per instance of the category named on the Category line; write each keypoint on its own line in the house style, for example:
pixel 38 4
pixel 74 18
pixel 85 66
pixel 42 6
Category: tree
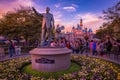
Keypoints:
pixel 100 33
pixel 21 22
pixel 112 26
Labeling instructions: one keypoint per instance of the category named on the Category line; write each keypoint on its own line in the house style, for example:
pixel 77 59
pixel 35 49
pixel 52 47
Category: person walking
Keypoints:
pixel 115 50
pixel 108 47
pixel 80 47
pixel 90 46
pixel 102 48
pixel 11 48
pixel 94 52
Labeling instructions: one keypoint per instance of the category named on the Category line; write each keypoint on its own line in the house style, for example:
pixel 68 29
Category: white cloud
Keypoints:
pixel 24 2
pixel 90 20
pixel 87 17
pixel 57 5
pixel 15 4
pixel 4 9
pixel 69 8
pixel 75 5
pixel 57 15
pixel 0 15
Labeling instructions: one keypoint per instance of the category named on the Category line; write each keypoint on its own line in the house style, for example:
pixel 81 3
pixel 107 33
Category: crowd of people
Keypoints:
pixel 93 47
pixel 13 48
pixel 78 46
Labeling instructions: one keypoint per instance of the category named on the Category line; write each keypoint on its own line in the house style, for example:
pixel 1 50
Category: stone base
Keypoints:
pixel 50 59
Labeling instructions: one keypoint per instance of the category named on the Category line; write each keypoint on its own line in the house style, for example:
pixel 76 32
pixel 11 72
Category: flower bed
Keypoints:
pixel 90 68
pixel 73 68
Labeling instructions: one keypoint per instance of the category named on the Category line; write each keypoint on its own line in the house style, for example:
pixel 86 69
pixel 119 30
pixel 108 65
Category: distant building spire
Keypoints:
pixel 81 24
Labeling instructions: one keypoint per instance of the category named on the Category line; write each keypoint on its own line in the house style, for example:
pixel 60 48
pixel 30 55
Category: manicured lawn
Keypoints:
pixel 73 68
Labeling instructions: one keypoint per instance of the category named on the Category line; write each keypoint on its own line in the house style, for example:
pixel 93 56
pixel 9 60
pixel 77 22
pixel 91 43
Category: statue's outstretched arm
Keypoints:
pixel 36 12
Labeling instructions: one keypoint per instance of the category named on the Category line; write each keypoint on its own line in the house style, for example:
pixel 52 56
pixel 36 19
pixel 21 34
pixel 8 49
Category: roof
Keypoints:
pixel 79 27
pixel 90 30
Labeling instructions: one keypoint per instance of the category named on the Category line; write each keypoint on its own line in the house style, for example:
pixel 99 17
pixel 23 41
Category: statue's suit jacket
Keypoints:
pixel 48 20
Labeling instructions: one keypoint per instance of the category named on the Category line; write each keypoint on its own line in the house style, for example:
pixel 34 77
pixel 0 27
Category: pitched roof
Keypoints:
pixel 79 27
pixel 90 30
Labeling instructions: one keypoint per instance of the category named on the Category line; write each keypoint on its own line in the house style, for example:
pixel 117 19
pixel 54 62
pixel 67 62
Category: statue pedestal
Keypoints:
pixel 50 59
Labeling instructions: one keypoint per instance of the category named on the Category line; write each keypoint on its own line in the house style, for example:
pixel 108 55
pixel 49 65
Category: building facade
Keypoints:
pixel 80 32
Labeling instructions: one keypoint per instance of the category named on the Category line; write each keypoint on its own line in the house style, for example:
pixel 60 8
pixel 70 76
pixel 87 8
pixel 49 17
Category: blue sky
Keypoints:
pixel 66 12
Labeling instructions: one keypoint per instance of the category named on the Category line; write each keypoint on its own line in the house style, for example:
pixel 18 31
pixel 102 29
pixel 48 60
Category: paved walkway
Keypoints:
pixel 6 57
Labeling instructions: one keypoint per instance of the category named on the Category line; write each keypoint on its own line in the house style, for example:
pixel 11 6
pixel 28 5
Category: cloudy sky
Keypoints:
pixel 66 12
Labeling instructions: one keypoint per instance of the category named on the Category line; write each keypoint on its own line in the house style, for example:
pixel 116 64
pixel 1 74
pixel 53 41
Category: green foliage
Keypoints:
pixel 112 26
pixel 21 22
pixel 28 69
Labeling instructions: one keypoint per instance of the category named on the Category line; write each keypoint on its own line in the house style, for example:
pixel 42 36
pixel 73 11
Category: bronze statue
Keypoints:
pixel 47 26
